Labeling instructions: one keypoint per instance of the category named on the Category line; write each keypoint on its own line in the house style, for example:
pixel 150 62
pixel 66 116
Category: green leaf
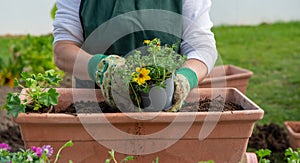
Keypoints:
pixel 156 160
pixel 39 77
pixel 31 83
pixel 112 153
pixel 53 11
pixel 52 77
pixel 288 152
pixel 263 152
pixel 209 161
pixel 128 158
pixel 292 156
pixel 13 105
pixel 25 75
pixel 67 144
pixel 16 82
pixel 37 106
pixel 50 97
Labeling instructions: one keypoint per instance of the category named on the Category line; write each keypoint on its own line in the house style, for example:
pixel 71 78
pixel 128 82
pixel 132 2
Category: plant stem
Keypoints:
pixel 136 97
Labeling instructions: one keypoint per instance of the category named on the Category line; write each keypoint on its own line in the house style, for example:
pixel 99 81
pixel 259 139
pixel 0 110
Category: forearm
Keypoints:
pixel 198 67
pixel 69 57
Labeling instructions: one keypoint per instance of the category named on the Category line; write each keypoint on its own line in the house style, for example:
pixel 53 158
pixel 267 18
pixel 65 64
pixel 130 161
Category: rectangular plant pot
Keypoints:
pixel 187 137
pixel 227 76
pixel 293 130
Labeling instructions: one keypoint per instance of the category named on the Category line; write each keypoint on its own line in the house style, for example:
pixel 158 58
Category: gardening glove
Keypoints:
pixel 184 81
pixel 104 72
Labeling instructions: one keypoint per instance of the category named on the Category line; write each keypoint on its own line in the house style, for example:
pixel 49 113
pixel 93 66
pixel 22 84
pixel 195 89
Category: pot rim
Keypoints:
pixel 253 113
pixel 243 74
pixel 290 130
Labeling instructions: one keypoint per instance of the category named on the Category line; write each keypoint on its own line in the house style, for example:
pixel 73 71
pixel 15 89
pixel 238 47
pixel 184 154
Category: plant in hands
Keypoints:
pixel 40 93
pixel 151 69
pixel 32 155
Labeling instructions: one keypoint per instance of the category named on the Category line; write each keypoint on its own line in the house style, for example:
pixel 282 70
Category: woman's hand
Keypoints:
pixel 182 89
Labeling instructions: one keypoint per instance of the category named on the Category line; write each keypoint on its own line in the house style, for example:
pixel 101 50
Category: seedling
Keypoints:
pixel 39 92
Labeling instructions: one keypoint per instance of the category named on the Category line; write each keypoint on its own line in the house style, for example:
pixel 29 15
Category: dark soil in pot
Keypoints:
pixel 203 105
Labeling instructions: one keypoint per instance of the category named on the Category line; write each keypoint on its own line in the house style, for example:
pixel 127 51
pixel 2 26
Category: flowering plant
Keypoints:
pixel 32 155
pixel 151 68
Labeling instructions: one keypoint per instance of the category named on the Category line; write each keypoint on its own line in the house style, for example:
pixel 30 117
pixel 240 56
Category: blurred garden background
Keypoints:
pixel 266 42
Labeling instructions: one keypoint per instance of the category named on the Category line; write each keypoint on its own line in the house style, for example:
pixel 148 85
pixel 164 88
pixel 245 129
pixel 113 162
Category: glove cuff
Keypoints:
pixel 93 64
pixel 190 75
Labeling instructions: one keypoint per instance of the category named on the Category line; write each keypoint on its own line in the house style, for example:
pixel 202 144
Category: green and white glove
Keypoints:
pixel 184 81
pixel 102 70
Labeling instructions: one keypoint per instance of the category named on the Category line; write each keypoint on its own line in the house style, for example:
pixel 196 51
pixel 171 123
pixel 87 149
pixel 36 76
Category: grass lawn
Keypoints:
pixel 271 51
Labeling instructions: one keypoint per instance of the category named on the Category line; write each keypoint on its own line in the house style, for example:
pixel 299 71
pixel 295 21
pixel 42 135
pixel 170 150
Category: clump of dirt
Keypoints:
pixel 270 136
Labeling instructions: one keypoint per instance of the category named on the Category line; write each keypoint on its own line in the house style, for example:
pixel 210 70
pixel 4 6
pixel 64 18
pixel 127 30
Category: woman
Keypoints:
pixel 96 25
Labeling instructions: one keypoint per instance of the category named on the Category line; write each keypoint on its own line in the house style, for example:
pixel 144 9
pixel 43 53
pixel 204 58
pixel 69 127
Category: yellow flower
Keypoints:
pixel 141 75
pixel 147 41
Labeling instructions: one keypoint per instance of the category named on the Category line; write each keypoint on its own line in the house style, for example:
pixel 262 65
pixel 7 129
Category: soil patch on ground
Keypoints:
pixel 12 136
pixel 272 137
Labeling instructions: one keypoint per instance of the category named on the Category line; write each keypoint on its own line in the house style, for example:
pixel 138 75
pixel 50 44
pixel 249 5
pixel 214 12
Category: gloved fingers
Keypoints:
pixel 106 71
pixel 180 93
pixel 121 95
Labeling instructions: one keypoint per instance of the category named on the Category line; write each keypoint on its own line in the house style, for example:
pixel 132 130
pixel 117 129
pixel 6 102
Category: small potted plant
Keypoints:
pixel 150 74
pixel 39 92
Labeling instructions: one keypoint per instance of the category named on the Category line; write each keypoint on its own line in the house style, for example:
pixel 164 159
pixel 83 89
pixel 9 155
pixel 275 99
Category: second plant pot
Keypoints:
pixel 227 76
pixel 293 130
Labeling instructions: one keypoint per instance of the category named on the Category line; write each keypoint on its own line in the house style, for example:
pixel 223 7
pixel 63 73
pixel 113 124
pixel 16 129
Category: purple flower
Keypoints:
pixel 5 146
pixel 48 150
pixel 37 150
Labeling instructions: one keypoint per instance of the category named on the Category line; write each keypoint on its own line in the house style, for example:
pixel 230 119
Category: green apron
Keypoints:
pixel 128 21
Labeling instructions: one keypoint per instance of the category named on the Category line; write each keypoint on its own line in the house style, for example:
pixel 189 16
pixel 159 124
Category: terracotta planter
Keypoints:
pixel 249 157
pixel 227 76
pixel 293 130
pixel 186 137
